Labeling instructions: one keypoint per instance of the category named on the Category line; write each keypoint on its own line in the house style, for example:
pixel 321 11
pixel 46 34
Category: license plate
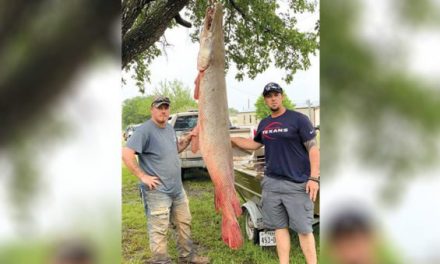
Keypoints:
pixel 267 238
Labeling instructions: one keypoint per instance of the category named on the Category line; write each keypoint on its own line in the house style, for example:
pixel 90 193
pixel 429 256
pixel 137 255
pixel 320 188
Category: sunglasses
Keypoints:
pixel 161 100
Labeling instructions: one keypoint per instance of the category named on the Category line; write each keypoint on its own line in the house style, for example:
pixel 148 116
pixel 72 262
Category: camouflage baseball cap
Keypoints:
pixel 160 100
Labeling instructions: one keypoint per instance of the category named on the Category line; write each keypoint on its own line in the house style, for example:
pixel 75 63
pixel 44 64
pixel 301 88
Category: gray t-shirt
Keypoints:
pixel 157 151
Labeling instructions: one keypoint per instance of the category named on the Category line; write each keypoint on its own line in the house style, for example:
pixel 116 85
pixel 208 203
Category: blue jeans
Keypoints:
pixel 162 210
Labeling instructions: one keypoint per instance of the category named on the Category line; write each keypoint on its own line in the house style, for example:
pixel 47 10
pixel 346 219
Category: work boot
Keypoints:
pixel 155 260
pixel 195 259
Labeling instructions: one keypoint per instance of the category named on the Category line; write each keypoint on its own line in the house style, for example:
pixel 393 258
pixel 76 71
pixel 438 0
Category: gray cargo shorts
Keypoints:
pixel 286 204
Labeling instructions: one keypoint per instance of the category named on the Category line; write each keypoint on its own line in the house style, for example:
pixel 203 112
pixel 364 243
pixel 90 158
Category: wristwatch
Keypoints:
pixel 315 179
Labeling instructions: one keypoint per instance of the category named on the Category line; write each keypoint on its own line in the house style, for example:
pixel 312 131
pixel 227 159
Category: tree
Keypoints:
pixel 180 96
pixel 257 34
pixel 41 66
pixel 232 111
pixel 394 111
pixel 44 45
pixel 263 111
pixel 136 110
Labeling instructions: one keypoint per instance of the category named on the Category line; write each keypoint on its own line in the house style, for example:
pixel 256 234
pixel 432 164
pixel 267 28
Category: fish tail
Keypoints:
pixel 231 233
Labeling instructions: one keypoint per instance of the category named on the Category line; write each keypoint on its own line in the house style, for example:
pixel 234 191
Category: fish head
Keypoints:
pixel 210 36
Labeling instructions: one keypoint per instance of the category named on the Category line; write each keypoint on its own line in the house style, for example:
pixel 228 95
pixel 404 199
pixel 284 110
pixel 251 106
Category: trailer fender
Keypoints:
pixel 255 213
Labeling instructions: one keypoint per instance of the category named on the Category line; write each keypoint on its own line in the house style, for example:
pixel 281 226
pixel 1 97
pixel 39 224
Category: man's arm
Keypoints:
pixel 184 142
pixel 245 143
pixel 313 150
pixel 129 158
pixel 313 186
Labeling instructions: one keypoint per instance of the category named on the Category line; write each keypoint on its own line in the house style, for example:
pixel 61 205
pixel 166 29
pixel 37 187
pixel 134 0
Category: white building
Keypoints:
pixel 249 118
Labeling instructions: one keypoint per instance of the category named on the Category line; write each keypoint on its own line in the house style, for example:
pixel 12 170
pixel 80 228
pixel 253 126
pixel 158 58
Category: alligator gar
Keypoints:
pixel 213 124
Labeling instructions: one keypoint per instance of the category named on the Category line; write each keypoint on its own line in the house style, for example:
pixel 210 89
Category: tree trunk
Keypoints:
pixel 34 82
pixel 140 38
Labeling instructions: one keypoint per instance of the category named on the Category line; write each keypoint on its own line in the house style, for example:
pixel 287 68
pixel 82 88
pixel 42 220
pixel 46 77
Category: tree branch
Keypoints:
pixel 245 17
pixel 181 21
pixel 130 11
pixel 139 39
pixel 234 5
pixel 37 80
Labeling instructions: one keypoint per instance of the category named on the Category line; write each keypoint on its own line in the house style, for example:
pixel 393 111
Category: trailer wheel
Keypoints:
pixel 251 232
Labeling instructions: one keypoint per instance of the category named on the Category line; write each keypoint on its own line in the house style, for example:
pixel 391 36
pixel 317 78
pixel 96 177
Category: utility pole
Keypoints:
pixel 309 105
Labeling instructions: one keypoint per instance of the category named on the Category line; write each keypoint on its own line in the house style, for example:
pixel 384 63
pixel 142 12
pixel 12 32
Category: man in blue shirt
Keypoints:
pixel 158 169
pixel 291 180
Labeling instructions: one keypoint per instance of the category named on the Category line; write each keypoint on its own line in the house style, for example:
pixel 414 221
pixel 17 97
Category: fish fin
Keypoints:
pixel 217 200
pixel 231 233
pixel 197 83
pixel 236 205
pixel 195 140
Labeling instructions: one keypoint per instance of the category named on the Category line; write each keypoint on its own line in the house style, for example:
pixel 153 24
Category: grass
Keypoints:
pixel 206 227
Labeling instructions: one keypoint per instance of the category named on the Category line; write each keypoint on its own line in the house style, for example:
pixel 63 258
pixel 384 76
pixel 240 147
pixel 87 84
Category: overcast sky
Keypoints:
pixel 180 63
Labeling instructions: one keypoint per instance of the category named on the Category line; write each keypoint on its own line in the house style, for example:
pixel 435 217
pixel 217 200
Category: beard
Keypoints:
pixel 162 120
pixel 274 109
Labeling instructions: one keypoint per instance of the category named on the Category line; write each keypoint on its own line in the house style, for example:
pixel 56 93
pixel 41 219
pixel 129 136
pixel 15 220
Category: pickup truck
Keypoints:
pixel 130 130
pixel 184 122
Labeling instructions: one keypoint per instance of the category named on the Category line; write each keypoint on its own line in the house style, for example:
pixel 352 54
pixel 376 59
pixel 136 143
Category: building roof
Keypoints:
pixel 306 106
pixel 249 110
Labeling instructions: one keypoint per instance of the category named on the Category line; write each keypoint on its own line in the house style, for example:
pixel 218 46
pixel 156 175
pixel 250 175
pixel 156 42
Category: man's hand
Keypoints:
pixel 187 137
pixel 151 181
pixel 184 141
pixel 193 133
pixel 312 188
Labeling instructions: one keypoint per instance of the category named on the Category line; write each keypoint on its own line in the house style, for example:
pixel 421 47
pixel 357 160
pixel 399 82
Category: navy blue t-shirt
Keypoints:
pixel 283 138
